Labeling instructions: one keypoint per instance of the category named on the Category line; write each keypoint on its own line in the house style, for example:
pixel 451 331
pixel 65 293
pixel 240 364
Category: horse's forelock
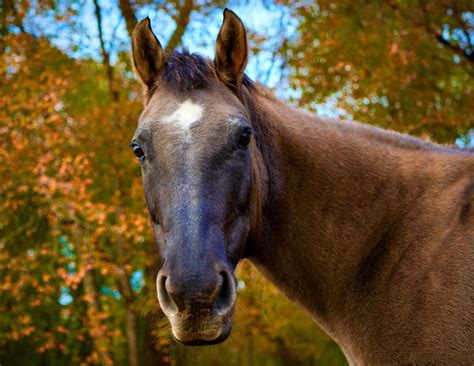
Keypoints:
pixel 185 71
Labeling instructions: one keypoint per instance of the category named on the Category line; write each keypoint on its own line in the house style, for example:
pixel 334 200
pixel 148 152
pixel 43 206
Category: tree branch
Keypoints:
pixel 105 54
pixel 8 10
pixel 466 53
pixel 129 15
pixel 181 23
pixel 438 35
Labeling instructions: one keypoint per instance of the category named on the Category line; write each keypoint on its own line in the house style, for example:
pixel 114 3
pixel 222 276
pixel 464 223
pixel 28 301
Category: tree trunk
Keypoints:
pixel 131 317
pixel 132 336
pixel 99 339
pixel 93 311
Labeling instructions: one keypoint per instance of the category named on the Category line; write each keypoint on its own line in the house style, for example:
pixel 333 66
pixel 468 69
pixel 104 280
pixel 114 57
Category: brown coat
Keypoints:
pixel 372 232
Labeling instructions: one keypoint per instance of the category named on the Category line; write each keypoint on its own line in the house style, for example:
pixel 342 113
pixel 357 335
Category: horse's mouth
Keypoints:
pixel 202 339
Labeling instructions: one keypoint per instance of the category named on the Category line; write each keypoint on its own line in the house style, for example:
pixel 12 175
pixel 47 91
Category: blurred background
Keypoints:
pixel 77 259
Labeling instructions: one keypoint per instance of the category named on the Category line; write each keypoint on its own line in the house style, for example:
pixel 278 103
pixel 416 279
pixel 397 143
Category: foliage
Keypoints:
pixel 408 65
pixel 63 230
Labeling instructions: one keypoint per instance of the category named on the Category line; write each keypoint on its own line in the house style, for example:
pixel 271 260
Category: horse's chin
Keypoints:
pixel 203 337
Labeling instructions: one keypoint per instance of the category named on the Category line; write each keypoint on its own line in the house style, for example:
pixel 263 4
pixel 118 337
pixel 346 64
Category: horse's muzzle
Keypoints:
pixel 199 306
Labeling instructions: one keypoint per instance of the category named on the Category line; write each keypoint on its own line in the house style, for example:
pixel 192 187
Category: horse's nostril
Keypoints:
pixel 226 295
pixel 214 291
pixel 166 301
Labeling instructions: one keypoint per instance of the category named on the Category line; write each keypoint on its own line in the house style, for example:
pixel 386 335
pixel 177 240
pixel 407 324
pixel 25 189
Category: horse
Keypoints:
pixel 370 231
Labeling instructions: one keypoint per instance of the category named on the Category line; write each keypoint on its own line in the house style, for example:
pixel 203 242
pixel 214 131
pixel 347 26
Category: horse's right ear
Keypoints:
pixel 147 53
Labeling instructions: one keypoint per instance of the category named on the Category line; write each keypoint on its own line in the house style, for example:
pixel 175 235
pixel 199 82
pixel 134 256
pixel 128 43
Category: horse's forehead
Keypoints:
pixel 185 113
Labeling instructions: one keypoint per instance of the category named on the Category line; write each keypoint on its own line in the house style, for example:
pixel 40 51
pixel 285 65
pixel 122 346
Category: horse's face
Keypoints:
pixel 197 178
pixel 194 145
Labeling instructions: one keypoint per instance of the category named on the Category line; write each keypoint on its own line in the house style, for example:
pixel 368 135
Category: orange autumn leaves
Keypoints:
pixel 56 230
pixel 398 65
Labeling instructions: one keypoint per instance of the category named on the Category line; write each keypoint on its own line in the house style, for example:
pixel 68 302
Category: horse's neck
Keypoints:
pixel 337 196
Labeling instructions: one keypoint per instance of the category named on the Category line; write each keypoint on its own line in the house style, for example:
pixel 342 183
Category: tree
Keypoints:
pixel 408 66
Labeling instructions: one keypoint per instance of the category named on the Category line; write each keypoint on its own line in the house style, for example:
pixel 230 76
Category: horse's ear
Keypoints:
pixel 147 54
pixel 231 49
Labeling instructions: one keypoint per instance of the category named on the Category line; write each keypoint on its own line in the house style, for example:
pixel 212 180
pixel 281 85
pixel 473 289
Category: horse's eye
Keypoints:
pixel 137 150
pixel 244 138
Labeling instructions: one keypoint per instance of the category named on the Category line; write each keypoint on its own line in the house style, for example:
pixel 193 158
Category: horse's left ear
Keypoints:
pixel 231 49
